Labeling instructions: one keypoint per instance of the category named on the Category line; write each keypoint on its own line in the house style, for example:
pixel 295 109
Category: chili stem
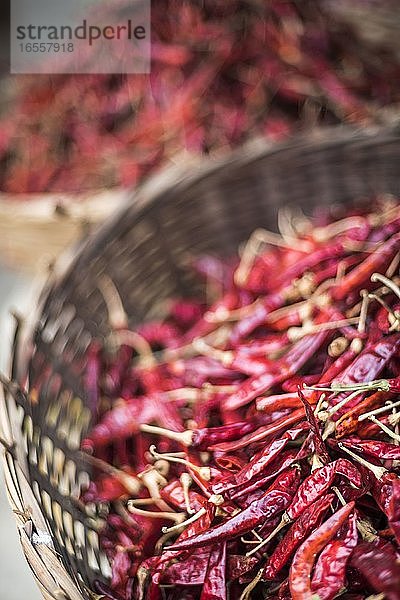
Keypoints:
pixel 338 346
pixel 323 234
pixel 378 411
pixel 290 226
pixel 224 356
pixel 395 417
pixel 388 431
pixel 154 515
pixel 116 313
pixel 373 296
pixel 339 495
pixel 250 587
pixel 204 472
pixel 296 333
pixel 183 437
pixel 186 482
pixel 363 312
pixel 376 384
pixel 136 341
pixel 185 523
pixel 319 404
pixel 343 402
pixel 375 277
pixel 379 472
pixel 284 521
pixel 223 314
pixel 141 501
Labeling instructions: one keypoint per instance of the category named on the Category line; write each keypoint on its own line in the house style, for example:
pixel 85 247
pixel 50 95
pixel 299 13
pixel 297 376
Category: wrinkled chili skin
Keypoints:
pixel 382 490
pixel 330 570
pixel 274 500
pixel 300 570
pixel 204 438
pixel 277 426
pixel 257 466
pixel 300 529
pixel 386 579
pixel 244 494
pixel 373 448
pixel 214 587
pixel 318 482
pixel 191 571
pixel 394 510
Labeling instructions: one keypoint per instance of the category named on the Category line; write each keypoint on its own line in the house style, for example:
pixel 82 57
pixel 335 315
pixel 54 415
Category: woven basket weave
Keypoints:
pixel 210 208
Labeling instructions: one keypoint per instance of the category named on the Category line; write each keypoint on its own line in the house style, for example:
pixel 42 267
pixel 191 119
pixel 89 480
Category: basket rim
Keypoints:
pixel 196 168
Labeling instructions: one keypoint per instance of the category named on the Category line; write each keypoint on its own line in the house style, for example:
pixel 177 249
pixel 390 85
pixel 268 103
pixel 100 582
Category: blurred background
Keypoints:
pixel 72 147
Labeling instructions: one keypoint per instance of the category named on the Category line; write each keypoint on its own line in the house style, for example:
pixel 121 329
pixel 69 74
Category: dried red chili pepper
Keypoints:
pixel 273 501
pixel 244 494
pixel 330 569
pixel 214 587
pixel 302 564
pixel 294 359
pixel 368 364
pixel 319 444
pixel 394 510
pixel 318 482
pixel 263 432
pixel 258 464
pixel 348 423
pixel 359 277
pixel 280 401
pixel 374 448
pixel 191 571
pixel 366 558
pixel 298 532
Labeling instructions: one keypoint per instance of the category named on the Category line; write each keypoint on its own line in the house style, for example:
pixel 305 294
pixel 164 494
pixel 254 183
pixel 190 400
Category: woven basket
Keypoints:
pixel 211 208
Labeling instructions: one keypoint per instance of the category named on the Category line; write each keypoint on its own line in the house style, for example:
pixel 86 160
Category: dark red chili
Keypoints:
pixel 274 500
pixel 298 532
pixel 380 567
pixel 302 564
pixel 330 570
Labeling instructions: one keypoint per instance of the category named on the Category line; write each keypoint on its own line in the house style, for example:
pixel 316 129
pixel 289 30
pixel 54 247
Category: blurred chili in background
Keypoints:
pixel 222 73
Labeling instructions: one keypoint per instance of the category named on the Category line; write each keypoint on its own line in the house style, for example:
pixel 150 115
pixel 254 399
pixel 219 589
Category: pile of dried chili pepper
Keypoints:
pixel 221 73
pixel 247 444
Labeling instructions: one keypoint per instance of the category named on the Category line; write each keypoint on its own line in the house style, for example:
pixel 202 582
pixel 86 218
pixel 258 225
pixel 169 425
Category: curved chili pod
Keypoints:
pixel 379 566
pixel 330 570
pixel 318 482
pixel 300 530
pixel 302 564
pixel 276 499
